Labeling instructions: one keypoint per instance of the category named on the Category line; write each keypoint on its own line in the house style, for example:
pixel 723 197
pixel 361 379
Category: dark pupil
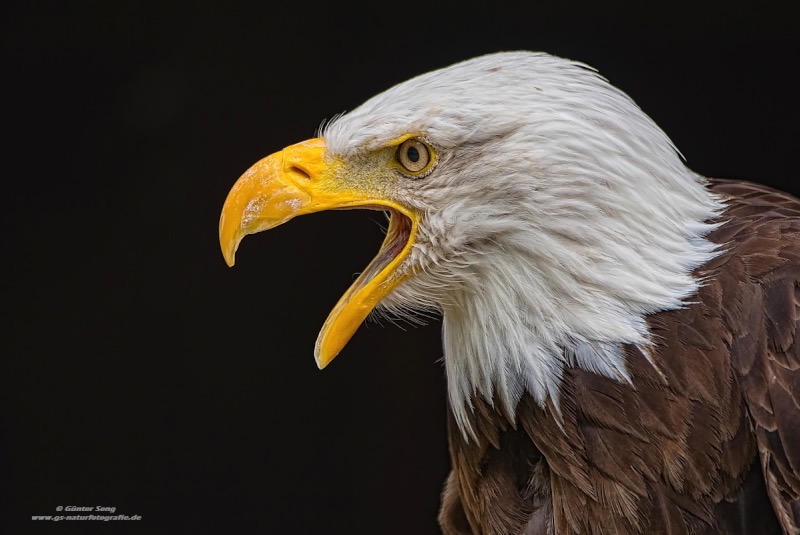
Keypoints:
pixel 413 154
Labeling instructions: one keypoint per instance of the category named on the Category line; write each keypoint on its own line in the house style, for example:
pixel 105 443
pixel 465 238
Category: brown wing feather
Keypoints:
pixel 705 443
pixel 765 351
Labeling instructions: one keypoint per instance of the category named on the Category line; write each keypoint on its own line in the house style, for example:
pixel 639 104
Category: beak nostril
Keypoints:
pixel 300 171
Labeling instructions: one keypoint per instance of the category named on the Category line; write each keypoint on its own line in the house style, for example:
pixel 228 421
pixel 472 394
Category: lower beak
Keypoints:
pixel 303 179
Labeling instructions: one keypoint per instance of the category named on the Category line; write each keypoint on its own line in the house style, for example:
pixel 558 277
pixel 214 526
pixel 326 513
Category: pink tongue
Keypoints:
pixel 389 253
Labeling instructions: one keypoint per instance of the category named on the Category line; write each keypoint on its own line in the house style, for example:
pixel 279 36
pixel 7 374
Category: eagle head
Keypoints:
pixel 530 202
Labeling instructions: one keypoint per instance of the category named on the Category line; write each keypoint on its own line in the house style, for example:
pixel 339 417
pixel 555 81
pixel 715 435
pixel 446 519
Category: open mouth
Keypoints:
pixel 378 280
pixel 393 249
pixel 301 180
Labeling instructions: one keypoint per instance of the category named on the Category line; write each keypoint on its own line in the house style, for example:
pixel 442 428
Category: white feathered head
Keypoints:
pixel 531 202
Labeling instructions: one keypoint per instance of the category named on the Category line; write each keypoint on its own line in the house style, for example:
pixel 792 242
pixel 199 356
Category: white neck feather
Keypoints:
pixel 529 304
pixel 535 300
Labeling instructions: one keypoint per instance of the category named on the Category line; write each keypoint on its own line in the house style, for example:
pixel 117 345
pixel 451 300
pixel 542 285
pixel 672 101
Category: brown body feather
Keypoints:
pixel 707 441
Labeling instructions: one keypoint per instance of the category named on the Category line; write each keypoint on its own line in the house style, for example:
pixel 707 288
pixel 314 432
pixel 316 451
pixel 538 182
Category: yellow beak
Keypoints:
pixel 302 179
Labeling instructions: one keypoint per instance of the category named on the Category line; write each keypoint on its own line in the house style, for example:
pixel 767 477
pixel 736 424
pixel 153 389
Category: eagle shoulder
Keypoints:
pixel 704 439
pixel 762 282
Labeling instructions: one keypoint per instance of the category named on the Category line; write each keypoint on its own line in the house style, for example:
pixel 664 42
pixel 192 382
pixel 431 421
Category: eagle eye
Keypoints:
pixel 413 155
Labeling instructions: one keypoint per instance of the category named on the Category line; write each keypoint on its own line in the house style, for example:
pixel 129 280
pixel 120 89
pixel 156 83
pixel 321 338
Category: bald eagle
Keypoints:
pixel 620 333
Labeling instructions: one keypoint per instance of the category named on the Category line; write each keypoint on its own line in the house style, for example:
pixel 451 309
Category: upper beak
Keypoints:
pixel 302 179
pixel 274 190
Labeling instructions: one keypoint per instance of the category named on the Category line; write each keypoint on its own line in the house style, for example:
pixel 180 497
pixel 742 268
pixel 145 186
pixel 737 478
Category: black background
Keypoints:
pixel 139 372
